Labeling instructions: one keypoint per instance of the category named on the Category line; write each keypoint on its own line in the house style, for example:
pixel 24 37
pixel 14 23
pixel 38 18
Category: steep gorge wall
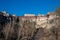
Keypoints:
pixel 24 28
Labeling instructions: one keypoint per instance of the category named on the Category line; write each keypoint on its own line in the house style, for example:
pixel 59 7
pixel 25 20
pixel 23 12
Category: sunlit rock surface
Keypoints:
pixel 29 27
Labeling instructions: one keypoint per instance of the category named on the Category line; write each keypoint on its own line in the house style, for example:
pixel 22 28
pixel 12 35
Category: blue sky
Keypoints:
pixel 20 7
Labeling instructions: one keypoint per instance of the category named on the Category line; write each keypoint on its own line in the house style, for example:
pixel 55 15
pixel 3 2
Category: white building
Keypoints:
pixel 29 14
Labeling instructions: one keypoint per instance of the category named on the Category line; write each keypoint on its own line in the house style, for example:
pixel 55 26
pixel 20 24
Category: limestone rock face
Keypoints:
pixel 30 28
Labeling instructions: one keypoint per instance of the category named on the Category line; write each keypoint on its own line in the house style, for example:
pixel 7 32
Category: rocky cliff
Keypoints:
pixel 25 28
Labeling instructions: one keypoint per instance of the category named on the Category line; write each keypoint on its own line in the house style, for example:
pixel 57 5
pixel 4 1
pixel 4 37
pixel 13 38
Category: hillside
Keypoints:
pixel 30 27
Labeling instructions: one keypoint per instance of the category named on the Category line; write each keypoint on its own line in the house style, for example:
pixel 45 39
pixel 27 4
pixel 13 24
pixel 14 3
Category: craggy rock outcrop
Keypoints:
pixel 21 28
